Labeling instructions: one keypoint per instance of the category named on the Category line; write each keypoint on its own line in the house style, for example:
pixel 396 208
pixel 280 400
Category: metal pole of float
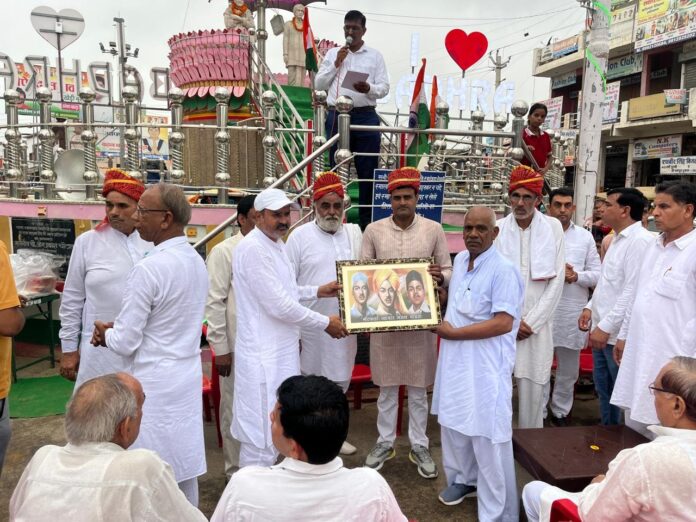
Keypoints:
pixel 344 105
pixel 222 145
pixel 13 172
pixel 89 141
pixel 132 134
pixel 177 137
pixel 270 142
pixel 47 139
pixel 319 129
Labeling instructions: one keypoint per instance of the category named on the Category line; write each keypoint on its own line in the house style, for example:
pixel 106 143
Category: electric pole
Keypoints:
pixel 498 65
pixel 593 94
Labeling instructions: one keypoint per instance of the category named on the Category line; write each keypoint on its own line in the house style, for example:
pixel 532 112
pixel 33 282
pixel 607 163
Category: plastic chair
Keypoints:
pixel 564 510
pixel 361 375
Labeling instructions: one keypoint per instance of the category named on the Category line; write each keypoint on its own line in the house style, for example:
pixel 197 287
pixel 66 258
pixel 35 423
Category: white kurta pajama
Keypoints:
pixel 568 339
pixel 160 327
pixel 267 345
pixel 472 396
pixel 221 315
pixel 99 264
pixel 99 481
pixel 661 324
pixel 529 250
pixel 313 254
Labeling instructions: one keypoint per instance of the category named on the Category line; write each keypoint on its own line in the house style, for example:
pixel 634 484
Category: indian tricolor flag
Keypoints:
pixel 434 98
pixel 418 118
pixel 310 48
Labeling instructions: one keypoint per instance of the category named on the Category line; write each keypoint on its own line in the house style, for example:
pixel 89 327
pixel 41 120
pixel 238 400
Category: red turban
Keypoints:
pixel 527 178
pixel 325 183
pixel 118 180
pixel 403 177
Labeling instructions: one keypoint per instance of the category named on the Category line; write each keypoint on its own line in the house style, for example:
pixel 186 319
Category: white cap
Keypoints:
pixel 273 199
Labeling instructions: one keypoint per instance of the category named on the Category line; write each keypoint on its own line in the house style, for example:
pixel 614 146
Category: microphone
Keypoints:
pixel 349 41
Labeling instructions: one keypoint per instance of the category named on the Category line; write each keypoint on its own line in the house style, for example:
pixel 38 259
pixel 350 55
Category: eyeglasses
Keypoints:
pixel 654 388
pixel 527 198
pixel 141 210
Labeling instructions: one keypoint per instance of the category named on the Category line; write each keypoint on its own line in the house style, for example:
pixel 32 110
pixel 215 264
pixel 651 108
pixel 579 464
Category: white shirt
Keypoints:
pixel 661 323
pixel 99 481
pixel 365 60
pixel 294 490
pixel 220 308
pixel 99 265
pixel 160 326
pixel 581 253
pixel 616 287
pixel 535 354
pixel 473 389
pixel 313 254
pixel 269 317
pixel 650 482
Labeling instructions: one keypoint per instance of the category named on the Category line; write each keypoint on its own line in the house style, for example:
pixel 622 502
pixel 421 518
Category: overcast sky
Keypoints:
pixel 390 24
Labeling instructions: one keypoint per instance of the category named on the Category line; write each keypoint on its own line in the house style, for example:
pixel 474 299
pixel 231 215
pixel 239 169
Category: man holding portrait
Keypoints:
pixel 405 358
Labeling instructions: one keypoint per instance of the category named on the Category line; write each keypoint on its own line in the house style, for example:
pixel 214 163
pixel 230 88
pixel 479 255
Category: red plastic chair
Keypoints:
pixel 564 510
pixel 361 375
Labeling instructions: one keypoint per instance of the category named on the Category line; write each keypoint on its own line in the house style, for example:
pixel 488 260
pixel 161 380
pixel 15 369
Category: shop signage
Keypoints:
pixel 652 106
pixel 682 166
pixel 662 147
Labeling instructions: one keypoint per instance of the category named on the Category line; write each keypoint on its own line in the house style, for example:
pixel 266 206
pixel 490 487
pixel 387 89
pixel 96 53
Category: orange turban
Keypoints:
pixel 118 180
pixel 404 177
pixel 527 178
pixel 325 183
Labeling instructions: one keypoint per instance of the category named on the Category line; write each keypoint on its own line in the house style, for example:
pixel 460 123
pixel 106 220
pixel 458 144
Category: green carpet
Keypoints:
pixel 39 396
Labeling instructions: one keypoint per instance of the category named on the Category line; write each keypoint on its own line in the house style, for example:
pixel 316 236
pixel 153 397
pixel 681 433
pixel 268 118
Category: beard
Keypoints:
pixel 329 224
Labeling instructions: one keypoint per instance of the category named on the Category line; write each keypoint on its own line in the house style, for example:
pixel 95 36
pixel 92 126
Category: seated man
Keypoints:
pixel 650 482
pixel 309 424
pixel 93 477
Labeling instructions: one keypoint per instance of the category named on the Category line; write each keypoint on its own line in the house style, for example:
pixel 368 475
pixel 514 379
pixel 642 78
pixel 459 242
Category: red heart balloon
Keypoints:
pixel 466 49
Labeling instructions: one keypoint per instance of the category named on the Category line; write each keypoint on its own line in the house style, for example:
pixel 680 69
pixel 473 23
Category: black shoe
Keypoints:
pixel 559 422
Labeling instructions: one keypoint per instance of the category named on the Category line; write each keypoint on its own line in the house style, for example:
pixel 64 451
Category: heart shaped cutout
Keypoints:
pixel 44 21
pixel 465 49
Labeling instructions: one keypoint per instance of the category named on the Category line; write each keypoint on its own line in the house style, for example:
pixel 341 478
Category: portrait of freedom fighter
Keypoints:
pixel 415 290
pixel 360 292
pixel 386 284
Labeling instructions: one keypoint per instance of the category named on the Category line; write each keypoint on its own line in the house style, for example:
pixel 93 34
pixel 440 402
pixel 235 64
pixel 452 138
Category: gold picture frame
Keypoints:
pixel 382 295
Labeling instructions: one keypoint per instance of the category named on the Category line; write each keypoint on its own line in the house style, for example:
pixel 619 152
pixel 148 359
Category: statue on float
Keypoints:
pixel 238 16
pixel 294 47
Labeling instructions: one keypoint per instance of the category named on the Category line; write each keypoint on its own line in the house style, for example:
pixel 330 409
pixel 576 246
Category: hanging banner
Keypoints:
pixel 662 22
pixel 610 107
pixel 652 148
pixel 155 142
pixel 682 166
pixel 553 116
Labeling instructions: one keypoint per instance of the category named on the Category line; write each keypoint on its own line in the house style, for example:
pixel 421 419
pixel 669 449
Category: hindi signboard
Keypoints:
pixel 430 196
pixel 663 22
pixel 553 116
pixel 682 166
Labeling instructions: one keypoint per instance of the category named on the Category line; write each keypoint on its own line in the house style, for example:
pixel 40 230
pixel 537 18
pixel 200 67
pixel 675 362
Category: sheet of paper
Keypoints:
pixel 353 77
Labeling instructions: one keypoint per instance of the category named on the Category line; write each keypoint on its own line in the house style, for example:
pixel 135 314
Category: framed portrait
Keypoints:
pixel 387 294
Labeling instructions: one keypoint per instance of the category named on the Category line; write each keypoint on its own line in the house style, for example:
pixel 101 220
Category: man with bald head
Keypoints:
pixel 93 477
pixel 473 389
pixel 159 327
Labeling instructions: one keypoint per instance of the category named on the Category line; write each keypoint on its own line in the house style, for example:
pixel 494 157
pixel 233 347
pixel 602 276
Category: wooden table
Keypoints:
pixel 44 306
pixel 571 457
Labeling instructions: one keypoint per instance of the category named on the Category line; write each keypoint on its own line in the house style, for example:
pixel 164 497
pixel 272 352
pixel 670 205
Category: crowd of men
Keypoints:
pixel 528 288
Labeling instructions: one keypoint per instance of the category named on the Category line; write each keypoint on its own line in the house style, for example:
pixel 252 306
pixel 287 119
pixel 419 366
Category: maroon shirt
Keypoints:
pixel 541 144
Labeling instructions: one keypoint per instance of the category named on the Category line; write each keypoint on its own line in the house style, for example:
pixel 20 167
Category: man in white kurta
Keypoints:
pixel 99 264
pixel 473 389
pixel 269 318
pixel 94 476
pixel 535 245
pixel 309 424
pixel 606 312
pixel 662 322
pixel 581 273
pixel 160 328
pixel 221 314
